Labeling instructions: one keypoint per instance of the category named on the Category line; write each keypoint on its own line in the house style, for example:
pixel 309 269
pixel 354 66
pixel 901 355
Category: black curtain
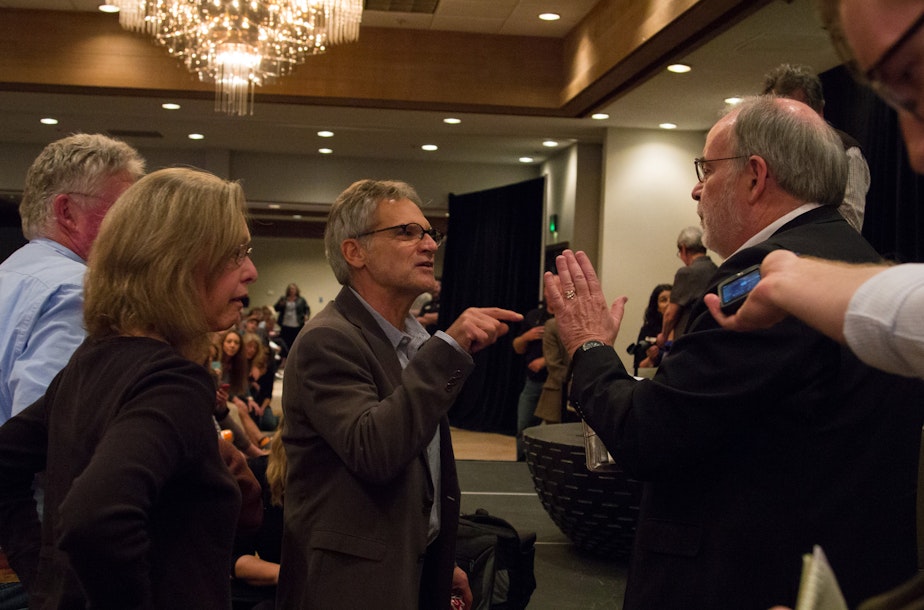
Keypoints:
pixel 493 254
pixel 894 220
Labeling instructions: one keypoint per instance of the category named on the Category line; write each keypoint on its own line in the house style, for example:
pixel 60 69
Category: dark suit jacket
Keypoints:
pixel 359 492
pixel 755 446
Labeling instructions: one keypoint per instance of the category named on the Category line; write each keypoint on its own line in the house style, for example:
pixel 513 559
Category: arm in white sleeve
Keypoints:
pixel 883 322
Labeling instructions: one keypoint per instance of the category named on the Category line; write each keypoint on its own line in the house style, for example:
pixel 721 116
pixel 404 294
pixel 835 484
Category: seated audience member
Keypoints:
pixel 261 382
pixel 140 510
pixel 222 414
pixel 754 446
pixel 236 374
pixel 255 562
pixel 253 323
pixel 645 350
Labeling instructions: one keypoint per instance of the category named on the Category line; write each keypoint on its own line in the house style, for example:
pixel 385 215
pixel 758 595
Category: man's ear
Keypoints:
pixel 64 212
pixel 757 174
pixel 353 253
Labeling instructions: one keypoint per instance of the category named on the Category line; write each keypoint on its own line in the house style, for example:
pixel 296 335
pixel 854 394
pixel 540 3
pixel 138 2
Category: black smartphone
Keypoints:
pixel 736 288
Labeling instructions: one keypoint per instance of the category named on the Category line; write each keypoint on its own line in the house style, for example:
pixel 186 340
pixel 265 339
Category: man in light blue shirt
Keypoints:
pixel 68 190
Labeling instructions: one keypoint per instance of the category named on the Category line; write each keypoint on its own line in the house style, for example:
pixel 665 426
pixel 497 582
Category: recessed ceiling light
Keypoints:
pixel 48 121
pixel 549 16
pixel 196 136
pixel 452 121
pixel 297 216
pixel 679 68
pixel 326 134
pixel 667 126
pixel 274 206
pixel 170 106
pixel 325 151
pixel 733 100
pixel 600 116
pixel 550 143
pixel 526 159
pixel 429 147
pixel 109 8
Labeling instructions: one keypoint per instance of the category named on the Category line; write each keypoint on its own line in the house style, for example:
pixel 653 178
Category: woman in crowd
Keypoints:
pixel 293 312
pixel 222 414
pixel 139 509
pixel 261 380
pixel 646 352
pixel 236 375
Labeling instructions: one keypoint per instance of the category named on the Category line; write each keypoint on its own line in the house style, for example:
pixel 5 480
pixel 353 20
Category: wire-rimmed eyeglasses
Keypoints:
pixel 410 232
pixel 242 252
pixel 699 164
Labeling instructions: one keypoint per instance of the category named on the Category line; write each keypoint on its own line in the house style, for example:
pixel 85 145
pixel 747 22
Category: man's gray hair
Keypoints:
pixel 806 158
pixel 354 212
pixel 80 163
pixel 691 238
pixel 787 79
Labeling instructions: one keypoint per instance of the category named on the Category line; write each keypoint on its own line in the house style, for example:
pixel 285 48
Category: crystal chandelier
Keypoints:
pixel 240 44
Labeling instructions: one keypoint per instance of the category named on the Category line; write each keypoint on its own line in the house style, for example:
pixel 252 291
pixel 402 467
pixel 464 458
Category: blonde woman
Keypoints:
pixel 139 509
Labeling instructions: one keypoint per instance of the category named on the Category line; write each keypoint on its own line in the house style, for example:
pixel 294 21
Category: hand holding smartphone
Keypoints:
pixel 735 289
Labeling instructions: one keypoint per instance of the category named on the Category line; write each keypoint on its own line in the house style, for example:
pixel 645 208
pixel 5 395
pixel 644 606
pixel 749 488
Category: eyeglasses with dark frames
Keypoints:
pixel 410 232
pixel 241 253
pixel 896 94
pixel 699 164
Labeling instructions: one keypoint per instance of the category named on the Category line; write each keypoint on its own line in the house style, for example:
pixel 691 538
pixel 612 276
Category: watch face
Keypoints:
pixel 591 345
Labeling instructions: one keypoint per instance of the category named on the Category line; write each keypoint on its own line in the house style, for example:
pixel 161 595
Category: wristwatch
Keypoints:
pixel 592 344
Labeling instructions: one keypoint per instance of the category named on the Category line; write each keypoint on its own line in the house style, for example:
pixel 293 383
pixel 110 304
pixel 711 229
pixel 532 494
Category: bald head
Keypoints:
pixel 803 154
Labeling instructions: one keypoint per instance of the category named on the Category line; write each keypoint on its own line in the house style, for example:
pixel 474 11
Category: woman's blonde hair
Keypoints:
pixel 168 237
pixel 259 359
pixel 277 465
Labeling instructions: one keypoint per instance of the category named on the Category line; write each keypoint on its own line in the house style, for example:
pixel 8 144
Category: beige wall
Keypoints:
pixel 648 177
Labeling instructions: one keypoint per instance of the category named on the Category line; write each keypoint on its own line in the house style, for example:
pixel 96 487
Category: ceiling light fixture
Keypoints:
pixel 325 151
pixel 430 147
pixel 108 8
pixel 667 126
pixel 326 134
pixel 526 159
pixel 241 45
pixel 733 100
pixel 549 16
pixel 452 121
pixel 679 68
pixel 48 121
pixel 196 136
pixel 550 143
pixel 600 116
pixel 170 106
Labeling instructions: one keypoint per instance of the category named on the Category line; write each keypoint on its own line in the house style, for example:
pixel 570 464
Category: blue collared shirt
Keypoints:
pixel 41 320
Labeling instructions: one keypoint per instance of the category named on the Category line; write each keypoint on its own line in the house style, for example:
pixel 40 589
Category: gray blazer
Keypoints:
pixel 358 491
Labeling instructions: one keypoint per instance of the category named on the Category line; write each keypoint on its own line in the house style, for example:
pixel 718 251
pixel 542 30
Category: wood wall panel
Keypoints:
pixel 617 46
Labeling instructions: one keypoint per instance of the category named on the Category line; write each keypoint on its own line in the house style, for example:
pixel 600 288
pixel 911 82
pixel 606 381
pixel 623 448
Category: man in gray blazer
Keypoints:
pixel 372 497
